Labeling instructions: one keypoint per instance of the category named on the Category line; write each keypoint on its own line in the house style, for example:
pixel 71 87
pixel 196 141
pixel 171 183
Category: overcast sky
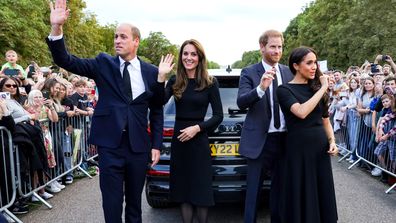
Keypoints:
pixel 226 28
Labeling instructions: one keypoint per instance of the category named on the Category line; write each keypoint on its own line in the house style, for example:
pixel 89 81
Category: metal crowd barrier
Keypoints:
pixel 357 140
pixel 7 174
pixel 64 160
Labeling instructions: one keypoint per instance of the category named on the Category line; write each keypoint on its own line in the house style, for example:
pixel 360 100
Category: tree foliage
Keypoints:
pixel 248 58
pixel 345 32
pixel 155 46
pixel 25 25
pixel 213 65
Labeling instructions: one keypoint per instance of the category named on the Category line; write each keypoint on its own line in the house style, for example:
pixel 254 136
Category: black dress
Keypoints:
pixel 307 193
pixel 190 164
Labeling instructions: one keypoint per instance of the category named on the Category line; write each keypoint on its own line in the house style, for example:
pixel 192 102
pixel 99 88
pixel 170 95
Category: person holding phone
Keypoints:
pixel 11 68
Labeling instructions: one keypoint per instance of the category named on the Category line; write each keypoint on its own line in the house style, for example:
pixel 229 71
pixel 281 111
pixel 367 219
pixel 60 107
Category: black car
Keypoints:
pixel 229 168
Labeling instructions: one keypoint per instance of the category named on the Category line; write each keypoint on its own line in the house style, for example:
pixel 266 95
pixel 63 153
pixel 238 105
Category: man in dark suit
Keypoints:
pixel 263 132
pixel 128 89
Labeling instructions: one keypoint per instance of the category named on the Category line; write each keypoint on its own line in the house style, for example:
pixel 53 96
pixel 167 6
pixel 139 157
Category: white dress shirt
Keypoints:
pixel 135 74
pixel 261 93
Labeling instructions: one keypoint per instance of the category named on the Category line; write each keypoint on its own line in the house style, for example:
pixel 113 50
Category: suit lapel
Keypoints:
pixel 144 71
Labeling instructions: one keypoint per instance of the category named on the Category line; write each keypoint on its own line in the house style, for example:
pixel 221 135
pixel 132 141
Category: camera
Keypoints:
pixel 374 68
pixel 5 95
pixel 385 57
pixel 46 94
pixel 32 70
pixel 11 72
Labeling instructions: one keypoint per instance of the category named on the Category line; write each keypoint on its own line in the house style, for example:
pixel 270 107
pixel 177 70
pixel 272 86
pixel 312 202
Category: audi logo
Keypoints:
pixel 229 128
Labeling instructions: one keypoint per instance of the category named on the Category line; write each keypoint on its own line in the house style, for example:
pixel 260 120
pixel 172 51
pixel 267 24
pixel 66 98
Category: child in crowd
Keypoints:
pixel 80 98
pixel 12 58
pixel 67 146
pixel 386 138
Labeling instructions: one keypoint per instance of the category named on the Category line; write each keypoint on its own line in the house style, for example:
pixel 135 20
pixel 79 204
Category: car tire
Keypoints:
pixel 155 202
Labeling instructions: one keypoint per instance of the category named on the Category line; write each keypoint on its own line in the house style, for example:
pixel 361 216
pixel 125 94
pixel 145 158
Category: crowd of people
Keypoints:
pixel 362 106
pixel 355 110
pixel 34 101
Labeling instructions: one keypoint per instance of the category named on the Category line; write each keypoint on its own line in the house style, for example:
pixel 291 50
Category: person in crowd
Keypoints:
pixel 386 58
pixel 15 95
pixel 80 99
pixel 44 109
pixel 12 58
pixel 388 102
pixel 352 116
pixel 130 97
pixel 28 136
pixel 191 169
pixel 73 78
pixel 365 113
pixel 332 95
pixel 263 132
pixel 6 120
pixel 67 133
pixel 339 119
pixel 308 196
pixel 339 84
pixel 63 100
pixel 387 70
pixel 378 92
pixel 388 123
pixel 9 84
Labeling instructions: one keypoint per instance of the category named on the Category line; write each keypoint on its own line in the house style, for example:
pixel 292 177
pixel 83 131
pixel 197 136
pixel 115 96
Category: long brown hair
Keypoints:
pixel 202 77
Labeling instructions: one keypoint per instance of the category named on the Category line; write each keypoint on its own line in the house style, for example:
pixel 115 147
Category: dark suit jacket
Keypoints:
pixel 256 125
pixel 114 112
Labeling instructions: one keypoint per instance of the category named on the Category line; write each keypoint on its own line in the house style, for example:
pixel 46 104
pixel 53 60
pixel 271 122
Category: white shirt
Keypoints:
pixel 261 93
pixel 135 74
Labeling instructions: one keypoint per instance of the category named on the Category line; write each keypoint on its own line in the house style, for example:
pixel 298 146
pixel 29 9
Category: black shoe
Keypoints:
pixel 19 210
pixel 21 203
pixel 93 163
pixel 384 177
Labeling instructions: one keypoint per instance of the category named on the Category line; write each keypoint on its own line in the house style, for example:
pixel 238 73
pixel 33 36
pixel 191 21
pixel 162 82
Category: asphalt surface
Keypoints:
pixel 360 199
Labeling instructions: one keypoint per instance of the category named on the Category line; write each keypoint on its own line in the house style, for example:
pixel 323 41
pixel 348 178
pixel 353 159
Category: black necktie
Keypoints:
pixel 276 103
pixel 127 80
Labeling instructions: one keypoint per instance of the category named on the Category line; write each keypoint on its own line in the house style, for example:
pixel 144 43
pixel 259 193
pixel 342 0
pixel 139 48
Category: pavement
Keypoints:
pixel 360 199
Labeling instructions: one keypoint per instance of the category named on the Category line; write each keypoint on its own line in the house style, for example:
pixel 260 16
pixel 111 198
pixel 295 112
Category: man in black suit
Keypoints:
pixel 263 132
pixel 128 89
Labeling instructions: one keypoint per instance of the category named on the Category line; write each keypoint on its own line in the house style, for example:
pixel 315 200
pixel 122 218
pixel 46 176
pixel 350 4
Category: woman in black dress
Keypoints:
pixel 190 165
pixel 308 193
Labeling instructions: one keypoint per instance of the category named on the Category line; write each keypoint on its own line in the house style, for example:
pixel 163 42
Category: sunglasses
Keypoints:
pixel 11 85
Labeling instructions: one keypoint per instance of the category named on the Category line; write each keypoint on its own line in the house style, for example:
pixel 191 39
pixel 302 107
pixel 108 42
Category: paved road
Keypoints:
pixel 360 198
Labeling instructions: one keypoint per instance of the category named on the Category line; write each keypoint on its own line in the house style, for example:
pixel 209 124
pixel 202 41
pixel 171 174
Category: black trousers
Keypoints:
pixel 122 174
pixel 267 162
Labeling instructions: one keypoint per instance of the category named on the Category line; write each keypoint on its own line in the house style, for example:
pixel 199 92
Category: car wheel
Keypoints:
pixel 157 202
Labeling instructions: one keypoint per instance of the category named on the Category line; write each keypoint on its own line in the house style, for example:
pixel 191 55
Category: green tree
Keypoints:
pixel 154 46
pixel 345 32
pixel 248 58
pixel 23 29
pixel 213 65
